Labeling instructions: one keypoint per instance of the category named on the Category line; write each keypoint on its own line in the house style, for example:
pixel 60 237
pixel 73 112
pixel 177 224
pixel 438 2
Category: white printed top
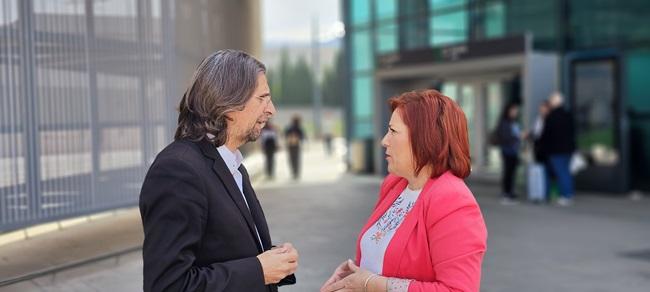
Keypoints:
pixel 375 241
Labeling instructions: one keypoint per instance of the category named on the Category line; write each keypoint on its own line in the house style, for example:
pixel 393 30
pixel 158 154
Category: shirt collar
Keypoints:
pixel 232 159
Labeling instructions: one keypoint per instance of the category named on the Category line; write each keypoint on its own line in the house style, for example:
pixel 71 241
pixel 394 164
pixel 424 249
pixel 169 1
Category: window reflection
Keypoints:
pixel 362 54
pixel 495 20
pixel 116 19
pixel 385 9
pixel 362 107
pixel 8 12
pixel 387 39
pixel 61 7
pixel 595 110
pixel 444 4
pixel 12 138
pixel 360 11
pixel 118 98
pixel 448 28
pixel 415 33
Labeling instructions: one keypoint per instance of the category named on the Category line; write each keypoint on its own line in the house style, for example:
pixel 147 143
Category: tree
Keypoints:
pixel 291 84
pixel 334 82
pixel 302 83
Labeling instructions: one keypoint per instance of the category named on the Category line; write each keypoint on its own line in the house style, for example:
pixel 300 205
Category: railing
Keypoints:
pixel 83 104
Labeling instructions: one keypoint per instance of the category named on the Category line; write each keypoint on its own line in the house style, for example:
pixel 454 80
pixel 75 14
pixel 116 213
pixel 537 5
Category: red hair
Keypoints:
pixel 438 131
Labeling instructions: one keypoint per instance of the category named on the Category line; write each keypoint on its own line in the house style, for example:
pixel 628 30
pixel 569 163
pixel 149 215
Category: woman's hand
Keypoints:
pixel 341 272
pixel 349 278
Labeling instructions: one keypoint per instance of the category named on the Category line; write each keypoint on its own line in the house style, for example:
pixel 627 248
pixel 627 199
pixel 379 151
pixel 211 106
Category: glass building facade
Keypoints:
pixel 597 49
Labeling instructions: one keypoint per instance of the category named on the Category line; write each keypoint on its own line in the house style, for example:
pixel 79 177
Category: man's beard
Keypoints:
pixel 251 135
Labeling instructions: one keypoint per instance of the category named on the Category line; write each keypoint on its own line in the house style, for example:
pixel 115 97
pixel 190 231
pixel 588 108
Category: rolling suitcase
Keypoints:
pixel 536 182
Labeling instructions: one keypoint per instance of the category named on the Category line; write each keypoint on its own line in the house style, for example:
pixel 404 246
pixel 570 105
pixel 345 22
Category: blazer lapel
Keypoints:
pixel 381 208
pixel 397 245
pixel 256 209
pixel 222 171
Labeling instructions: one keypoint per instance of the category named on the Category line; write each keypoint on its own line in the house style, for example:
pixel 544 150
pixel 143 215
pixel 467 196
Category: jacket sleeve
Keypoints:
pixel 457 243
pixel 173 208
pixel 506 137
pixel 543 137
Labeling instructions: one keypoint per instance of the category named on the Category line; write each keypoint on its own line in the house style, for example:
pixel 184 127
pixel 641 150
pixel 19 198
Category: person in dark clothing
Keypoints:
pixel 558 142
pixel 509 139
pixel 269 147
pixel 327 139
pixel 294 136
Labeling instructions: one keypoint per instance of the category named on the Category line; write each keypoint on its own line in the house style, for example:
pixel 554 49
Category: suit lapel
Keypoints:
pixel 222 171
pixel 256 209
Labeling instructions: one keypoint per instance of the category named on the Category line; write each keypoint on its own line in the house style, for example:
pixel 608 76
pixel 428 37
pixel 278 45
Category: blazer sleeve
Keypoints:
pixel 506 137
pixel 545 137
pixel 457 243
pixel 173 209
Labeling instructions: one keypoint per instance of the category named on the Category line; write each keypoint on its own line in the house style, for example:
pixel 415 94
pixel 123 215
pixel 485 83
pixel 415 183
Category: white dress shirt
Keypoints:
pixel 233 161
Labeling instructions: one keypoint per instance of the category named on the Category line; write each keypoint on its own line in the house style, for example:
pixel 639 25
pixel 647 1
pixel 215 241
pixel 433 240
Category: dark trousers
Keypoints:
pixel 270 161
pixel 294 160
pixel 559 164
pixel 510 163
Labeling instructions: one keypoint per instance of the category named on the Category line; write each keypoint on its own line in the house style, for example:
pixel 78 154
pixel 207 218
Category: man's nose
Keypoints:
pixel 270 108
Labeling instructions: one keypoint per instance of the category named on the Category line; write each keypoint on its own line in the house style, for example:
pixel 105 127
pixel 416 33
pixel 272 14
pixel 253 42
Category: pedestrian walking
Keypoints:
pixel 294 135
pixel 269 140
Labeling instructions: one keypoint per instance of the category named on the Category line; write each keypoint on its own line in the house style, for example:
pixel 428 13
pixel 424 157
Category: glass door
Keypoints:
pixel 596 109
pixel 493 107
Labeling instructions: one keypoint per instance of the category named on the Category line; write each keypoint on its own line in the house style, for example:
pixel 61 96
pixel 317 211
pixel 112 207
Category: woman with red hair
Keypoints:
pixel 426 232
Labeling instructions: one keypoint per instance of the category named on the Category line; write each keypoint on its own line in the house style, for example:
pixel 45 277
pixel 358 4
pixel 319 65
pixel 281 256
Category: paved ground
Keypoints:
pixel 601 244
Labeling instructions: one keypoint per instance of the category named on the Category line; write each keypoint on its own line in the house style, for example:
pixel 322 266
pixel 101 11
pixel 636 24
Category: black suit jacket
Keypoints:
pixel 198 233
pixel 558 135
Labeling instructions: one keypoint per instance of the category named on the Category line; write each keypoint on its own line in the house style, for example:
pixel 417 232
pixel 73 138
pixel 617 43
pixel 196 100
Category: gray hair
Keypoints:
pixel 223 83
pixel 556 99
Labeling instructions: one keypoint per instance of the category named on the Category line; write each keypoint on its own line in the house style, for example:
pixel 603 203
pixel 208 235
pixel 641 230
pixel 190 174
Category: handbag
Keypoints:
pixel 578 163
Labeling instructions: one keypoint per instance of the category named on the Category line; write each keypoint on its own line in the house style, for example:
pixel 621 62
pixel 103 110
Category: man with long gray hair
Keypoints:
pixel 204 229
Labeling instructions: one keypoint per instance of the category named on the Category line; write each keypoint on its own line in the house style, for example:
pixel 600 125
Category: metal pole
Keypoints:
pixel 94 127
pixel 316 95
pixel 30 110
pixel 168 61
pixel 143 18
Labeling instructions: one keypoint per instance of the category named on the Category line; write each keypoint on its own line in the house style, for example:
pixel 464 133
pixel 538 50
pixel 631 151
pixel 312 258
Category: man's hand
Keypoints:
pixel 278 263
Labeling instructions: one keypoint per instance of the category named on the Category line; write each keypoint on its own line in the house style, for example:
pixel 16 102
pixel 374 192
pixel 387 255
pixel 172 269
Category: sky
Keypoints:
pixel 283 21
pixel 289 21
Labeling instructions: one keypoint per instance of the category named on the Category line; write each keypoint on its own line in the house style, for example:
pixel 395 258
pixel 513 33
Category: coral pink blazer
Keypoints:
pixel 441 242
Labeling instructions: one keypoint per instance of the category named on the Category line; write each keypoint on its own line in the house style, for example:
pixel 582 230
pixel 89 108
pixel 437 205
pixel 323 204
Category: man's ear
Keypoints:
pixel 228 117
